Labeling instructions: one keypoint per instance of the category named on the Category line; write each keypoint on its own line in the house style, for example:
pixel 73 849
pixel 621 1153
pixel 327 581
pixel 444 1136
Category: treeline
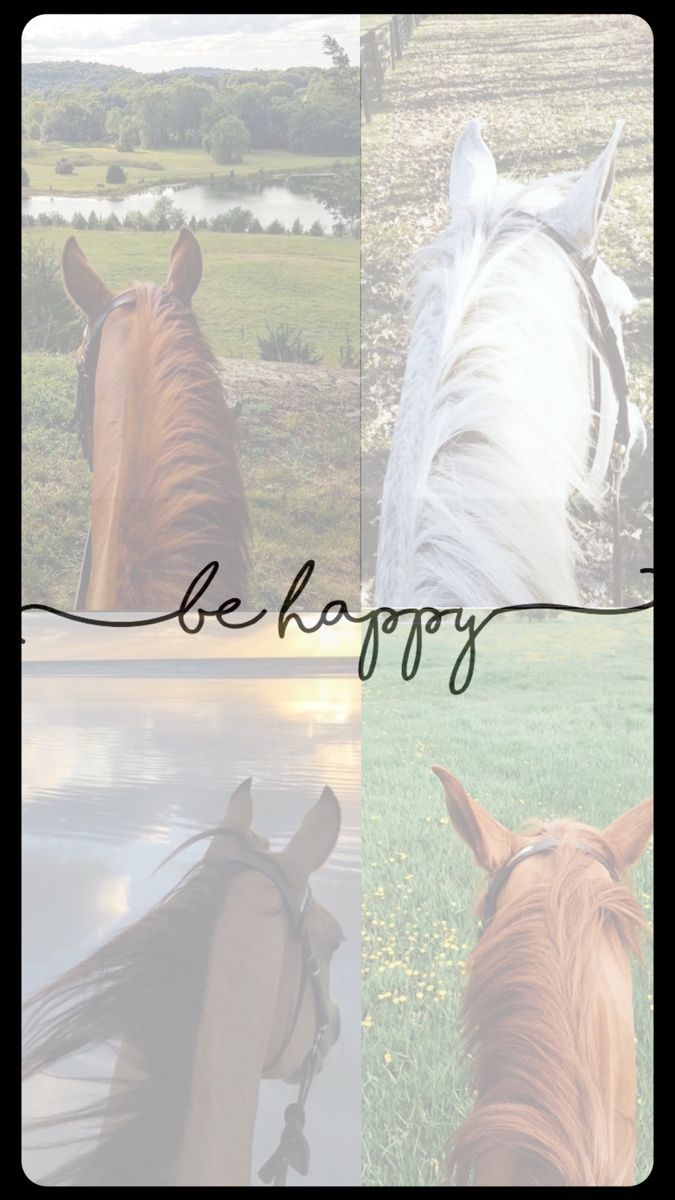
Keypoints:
pixel 235 220
pixel 315 111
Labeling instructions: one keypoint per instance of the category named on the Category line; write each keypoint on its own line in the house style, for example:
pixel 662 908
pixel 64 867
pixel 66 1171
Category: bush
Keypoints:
pixel 285 344
pixel 115 174
pixel 228 140
pixel 49 322
pixel 64 167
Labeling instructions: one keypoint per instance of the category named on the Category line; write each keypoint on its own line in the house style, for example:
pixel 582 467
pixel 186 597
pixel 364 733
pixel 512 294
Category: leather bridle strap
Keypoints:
pixel 542 845
pixel 86 372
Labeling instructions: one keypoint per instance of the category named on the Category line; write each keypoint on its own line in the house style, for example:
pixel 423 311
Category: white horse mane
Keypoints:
pixel 496 415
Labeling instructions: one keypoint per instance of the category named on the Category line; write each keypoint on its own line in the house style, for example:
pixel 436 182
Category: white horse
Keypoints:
pixel 509 405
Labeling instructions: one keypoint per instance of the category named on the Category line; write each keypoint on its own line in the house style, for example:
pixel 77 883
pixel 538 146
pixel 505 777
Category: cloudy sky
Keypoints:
pixel 161 43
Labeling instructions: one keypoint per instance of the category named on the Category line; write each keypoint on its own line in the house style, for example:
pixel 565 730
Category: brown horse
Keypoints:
pixel 204 996
pixel 549 1005
pixel 167 496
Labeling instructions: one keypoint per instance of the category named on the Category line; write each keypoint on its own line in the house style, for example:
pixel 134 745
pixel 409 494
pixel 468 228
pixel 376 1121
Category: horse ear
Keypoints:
pixel 491 842
pixel 309 848
pixel 579 216
pixel 473 172
pixel 185 266
pixel 629 834
pixel 82 283
pixel 240 809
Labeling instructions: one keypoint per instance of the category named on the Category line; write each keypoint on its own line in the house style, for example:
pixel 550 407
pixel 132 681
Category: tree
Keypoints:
pixel 275 227
pixel 79 221
pixel 164 214
pixel 227 140
pixel 49 321
pixel 296 227
pixel 115 174
pixel 64 167
pixel 25 180
pixel 316 230
pixel 112 221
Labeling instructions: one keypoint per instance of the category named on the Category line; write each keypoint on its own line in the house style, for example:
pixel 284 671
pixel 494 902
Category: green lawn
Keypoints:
pixel 299 447
pixel 146 168
pixel 249 280
pixel 557 722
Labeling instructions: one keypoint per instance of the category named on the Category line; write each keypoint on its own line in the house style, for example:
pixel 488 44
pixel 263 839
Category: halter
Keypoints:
pixel 606 349
pixel 542 845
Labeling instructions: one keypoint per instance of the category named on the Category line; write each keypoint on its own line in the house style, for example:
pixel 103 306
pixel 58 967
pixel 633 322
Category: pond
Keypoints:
pixel 120 768
pixel 272 203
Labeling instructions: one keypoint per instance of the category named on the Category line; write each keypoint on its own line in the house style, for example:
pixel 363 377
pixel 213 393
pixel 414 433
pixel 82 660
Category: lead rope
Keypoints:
pixel 293 1148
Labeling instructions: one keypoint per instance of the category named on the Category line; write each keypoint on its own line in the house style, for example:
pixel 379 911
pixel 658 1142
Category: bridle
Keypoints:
pixel 293 1148
pixel 605 349
pixel 85 401
pixel 542 845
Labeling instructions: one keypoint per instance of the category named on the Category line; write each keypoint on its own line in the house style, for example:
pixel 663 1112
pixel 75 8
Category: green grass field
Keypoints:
pixel 556 722
pixel 300 453
pixel 147 168
pixel 248 281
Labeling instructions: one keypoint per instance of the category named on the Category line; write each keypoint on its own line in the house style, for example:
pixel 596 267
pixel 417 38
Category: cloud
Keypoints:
pixel 155 42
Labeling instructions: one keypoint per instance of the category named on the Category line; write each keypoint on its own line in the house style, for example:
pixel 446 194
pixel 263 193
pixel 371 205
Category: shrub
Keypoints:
pixel 115 174
pixel 64 167
pixel 285 344
pixel 49 322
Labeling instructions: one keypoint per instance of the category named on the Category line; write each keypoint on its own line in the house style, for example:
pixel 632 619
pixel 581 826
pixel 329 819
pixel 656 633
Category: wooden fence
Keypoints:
pixel 381 48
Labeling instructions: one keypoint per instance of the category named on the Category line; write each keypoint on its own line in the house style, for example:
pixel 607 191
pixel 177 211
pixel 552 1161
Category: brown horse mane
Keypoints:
pixel 182 501
pixel 145 987
pixel 531 1024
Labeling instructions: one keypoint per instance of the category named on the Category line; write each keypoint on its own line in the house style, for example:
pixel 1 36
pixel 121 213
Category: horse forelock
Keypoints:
pixel 533 1025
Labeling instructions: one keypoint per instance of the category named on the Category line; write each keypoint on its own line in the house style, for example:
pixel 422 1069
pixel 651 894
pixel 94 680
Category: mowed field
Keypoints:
pixel 299 448
pixel 556 722
pixel 147 168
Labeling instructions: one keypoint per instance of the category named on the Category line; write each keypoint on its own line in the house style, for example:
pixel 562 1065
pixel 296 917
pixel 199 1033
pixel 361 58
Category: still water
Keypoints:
pixel 118 771
pixel 274 203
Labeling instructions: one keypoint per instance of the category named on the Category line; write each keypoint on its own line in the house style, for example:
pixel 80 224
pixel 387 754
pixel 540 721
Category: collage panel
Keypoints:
pixel 506 310
pixel 507 903
pixel 191 909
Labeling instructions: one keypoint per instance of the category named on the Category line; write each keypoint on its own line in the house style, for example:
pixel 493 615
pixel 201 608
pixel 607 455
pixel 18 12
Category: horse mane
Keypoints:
pixel 144 987
pixel 181 497
pixel 495 417
pixel 530 1022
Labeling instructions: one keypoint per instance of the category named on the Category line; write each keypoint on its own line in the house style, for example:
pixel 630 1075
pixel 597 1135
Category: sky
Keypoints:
pixel 156 42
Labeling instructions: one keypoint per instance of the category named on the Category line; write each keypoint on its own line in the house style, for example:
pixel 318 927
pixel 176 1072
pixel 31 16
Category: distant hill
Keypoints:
pixel 61 76
pixel 54 77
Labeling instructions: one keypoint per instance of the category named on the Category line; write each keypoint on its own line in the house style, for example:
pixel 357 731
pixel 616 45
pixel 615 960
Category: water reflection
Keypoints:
pixel 119 771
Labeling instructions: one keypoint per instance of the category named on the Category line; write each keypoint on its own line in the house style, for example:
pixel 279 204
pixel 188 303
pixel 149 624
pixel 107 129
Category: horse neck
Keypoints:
pixel 556 1077
pixel 491 435
pixel 235 1032
pixel 167 495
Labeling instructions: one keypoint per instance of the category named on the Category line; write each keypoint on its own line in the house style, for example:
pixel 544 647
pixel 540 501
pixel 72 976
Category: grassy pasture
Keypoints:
pixel 147 168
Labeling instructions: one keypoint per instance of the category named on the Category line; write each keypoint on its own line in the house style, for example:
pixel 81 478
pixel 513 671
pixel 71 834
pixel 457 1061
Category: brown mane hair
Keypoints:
pixel 531 1025
pixel 181 497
